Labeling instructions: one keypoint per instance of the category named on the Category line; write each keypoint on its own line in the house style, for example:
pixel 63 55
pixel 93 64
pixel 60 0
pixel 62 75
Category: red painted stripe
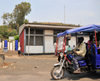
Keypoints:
pixel 22 41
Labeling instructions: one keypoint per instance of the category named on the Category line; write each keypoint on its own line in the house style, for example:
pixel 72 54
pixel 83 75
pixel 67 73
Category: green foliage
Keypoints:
pixel 17 17
pixel 20 11
pixel 26 21
pixel 1 37
pixel 7 18
pixel 16 37
pixel 5 32
pixel 13 32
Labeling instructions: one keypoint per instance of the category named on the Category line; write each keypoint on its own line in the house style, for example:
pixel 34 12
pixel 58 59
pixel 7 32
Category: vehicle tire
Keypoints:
pixel 55 75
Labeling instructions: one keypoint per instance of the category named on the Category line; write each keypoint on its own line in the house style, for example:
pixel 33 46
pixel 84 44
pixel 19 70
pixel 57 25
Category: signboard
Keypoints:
pixel 11 38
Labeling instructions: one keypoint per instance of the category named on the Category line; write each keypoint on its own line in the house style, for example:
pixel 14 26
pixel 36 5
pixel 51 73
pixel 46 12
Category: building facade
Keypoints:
pixel 40 39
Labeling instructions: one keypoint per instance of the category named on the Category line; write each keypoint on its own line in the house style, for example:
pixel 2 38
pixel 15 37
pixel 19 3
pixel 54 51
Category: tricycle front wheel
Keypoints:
pixel 56 74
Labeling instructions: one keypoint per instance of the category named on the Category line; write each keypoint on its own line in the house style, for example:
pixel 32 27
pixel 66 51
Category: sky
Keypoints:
pixel 84 12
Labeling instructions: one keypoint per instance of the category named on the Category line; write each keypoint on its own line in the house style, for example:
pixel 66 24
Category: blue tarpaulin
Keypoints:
pixel 88 28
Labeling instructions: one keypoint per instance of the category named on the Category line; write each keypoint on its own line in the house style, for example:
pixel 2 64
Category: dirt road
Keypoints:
pixel 36 68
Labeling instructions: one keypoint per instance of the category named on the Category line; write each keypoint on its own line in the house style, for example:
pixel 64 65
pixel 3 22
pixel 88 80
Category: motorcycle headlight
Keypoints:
pixel 61 54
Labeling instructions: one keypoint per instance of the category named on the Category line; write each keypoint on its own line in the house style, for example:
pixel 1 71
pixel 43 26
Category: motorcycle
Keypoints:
pixel 66 64
pixel 91 62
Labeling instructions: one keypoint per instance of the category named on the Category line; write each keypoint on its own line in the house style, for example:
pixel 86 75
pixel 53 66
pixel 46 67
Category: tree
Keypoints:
pixel 5 32
pixel 16 37
pixel 7 18
pixel 26 21
pixel 17 17
pixel 20 11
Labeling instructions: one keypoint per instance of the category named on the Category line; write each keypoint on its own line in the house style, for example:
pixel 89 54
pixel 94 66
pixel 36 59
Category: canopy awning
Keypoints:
pixel 88 28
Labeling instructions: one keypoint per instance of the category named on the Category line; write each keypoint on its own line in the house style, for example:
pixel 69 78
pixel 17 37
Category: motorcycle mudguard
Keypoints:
pixel 58 64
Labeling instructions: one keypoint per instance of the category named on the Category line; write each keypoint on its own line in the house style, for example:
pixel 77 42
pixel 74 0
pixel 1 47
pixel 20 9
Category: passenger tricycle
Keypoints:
pixel 91 62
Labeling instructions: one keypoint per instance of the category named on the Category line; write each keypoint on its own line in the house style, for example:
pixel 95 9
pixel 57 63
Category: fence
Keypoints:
pixel 10 45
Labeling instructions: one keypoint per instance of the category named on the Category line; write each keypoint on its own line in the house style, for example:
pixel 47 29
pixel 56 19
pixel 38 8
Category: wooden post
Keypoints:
pixel 28 39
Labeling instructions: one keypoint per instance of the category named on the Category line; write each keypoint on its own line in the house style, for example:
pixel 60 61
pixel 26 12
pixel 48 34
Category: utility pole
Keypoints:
pixel 64 14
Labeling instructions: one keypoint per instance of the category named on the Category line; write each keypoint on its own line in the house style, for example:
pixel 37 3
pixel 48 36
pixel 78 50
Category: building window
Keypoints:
pixel 39 31
pixel 26 30
pixel 26 40
pixel 39 40
pixel 31 31
pixel 54 39
pixel 36 37
pixel 55 34
pixel 31 42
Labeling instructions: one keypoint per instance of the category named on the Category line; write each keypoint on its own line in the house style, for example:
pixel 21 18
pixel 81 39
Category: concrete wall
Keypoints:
pixel 48 32
pixel 86 38
pixel 34 49
pixel 72 41
pixel 48 40
pixel 49 47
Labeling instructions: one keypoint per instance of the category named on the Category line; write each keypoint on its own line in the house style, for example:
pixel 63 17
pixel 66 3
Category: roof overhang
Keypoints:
pixel 43 27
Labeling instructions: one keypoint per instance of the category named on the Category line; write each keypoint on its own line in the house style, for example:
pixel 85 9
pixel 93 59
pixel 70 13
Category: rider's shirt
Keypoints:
pixel 82 49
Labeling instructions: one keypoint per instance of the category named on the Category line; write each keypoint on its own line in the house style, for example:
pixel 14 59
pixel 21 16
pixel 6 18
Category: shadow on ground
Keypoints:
pixel 69 77
pixel 93 76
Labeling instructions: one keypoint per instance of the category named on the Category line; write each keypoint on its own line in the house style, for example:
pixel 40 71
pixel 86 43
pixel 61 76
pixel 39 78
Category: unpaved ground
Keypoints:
pixel 36 68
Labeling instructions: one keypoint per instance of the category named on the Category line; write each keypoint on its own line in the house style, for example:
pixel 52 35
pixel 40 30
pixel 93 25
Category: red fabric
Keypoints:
pixel 89 44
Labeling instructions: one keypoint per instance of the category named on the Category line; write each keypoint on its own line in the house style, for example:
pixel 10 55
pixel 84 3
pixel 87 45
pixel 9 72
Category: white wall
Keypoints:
pixel 0 45
pixel 11 46
pixel 49 47
pixel 34 49
pixel 86 38
pixel 48 32
pixel 48 40
pixel 72 41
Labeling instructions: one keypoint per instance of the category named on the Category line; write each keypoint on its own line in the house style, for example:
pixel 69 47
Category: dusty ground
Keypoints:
pixel 36 68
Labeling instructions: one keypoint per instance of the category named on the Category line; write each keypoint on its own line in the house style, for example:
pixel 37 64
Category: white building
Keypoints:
pixel 40 38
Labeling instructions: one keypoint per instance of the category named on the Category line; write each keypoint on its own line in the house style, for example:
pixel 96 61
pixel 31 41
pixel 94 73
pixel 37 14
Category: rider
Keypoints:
pixel 80 51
